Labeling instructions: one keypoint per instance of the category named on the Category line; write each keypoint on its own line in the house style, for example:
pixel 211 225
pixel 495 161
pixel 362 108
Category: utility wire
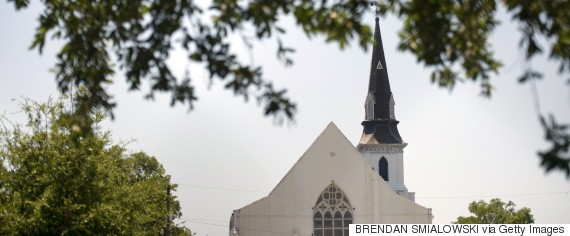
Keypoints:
pixel 498 195
pixel 220 188
pixel 206 223
pixel 535 96
pixel 190 219
pixel 242 228
pixel 467 196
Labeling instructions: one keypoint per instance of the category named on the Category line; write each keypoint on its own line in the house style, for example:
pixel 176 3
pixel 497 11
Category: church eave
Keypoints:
pixel 384 148
pixel 382 131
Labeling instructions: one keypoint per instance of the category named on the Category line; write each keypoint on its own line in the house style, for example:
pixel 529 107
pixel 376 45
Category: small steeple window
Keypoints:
pixel 391 106
pixel 369 107
pixel 379 66
pixel 383 168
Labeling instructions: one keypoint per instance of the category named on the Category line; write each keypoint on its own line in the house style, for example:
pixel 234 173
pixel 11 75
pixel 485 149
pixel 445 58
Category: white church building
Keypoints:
pixel 335 184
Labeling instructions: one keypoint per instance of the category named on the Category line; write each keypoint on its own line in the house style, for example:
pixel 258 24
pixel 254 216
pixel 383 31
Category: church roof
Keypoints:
pixel 380 127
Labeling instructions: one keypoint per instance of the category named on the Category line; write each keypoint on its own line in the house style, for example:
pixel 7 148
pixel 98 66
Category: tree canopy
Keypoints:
pixel 451 38
pixel 52 183
pixel 496 212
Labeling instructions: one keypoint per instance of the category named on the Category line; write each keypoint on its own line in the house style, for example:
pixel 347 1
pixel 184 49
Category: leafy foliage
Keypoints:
pixel 52 183
pixel 496 212
pixel 448 34
pixel 558 156
pixel 450 37
pixel 142 33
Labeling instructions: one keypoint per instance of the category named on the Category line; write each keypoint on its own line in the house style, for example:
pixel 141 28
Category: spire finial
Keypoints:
pixel 377 10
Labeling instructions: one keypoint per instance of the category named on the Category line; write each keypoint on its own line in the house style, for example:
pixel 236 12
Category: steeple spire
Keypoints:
pixel 379 84
pixel 380 124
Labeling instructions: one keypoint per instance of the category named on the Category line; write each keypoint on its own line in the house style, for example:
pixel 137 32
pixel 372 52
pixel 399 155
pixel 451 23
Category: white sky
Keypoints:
pixel 462 147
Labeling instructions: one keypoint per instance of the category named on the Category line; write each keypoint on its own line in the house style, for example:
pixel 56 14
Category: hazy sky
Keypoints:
pixel 462 147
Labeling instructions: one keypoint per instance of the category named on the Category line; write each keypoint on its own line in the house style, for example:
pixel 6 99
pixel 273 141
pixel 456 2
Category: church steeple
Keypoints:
pixel 379 85
pixel 380 124
pixel 381 143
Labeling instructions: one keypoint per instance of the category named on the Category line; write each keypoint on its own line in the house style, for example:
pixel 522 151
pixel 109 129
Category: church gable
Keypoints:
pixel 331 157
pixel 303 201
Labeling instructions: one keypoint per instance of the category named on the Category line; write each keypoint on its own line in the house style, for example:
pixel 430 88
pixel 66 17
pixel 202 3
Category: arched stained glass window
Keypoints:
pixel 332 213
pixel 347 220
pixel 383 168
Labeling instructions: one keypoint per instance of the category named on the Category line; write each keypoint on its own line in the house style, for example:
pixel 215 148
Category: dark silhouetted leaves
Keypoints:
pixel 142 33
pixel 450 37
pixel 558 156
pixel 530 74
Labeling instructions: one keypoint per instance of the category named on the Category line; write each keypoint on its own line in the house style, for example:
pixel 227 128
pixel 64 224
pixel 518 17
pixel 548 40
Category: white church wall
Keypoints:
pixel 396 209
pixel 395 158
pixel 288 209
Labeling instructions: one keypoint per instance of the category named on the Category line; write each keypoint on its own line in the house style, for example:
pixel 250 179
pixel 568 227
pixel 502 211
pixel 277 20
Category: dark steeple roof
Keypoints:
pixel 380 125
pixel 379 85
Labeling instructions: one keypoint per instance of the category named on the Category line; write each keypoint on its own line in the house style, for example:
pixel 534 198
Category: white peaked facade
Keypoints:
pixel 335 184
pixel 329 187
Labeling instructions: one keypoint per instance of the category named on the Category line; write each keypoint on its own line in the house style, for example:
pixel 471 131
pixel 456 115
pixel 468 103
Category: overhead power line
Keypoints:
pixel 466 196
pixel 252 229
pixel 498 195
pixel 220 188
